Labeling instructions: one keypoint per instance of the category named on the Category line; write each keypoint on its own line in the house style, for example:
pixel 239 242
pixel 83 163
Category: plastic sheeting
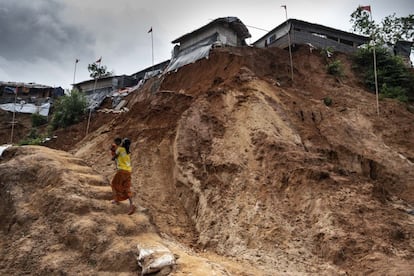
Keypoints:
pixel 27 108
pixel 181 60
pixel 195 52
pixel 191 57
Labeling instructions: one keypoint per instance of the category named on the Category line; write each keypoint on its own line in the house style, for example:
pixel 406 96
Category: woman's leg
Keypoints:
pixel 132 207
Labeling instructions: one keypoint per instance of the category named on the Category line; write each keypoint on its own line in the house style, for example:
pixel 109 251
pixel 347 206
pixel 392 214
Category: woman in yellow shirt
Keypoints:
pixel 121 183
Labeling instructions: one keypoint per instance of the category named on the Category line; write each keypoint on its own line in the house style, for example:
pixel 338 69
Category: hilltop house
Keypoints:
pixel 224 31
pixel 318 36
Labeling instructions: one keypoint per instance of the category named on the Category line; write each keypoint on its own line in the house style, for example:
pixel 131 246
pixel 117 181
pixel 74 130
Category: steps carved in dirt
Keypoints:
pixel 69 216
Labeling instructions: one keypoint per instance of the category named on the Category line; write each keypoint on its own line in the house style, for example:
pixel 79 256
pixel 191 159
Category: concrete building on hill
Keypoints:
pixel 318 36
pixel 224 31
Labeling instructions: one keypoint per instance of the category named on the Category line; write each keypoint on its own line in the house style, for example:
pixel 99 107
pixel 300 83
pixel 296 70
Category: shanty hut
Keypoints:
pixel 28 92
pixel 97 90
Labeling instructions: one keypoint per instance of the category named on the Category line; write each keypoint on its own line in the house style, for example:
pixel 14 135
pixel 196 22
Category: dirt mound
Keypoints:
pixel 233 158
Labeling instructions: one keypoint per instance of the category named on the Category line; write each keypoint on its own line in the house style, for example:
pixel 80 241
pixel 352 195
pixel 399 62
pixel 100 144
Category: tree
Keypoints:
pixel 69 109
pixel 98 71
pixel 394 79
pixel 390 30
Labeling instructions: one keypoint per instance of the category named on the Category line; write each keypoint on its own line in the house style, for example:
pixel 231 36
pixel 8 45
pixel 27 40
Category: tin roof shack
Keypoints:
pixel 318 36
pixel 104 87
pixel 27 97
pixel 224 31
pixel 27 92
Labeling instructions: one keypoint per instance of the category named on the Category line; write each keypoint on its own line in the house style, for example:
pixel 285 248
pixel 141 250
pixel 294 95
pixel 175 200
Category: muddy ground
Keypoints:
pixel 241 170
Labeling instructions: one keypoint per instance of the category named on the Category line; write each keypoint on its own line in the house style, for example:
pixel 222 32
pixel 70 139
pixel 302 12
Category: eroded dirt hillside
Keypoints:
pixel 239 165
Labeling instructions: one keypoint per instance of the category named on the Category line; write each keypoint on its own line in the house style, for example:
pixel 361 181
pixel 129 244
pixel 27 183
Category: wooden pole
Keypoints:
pixel 90 109
pixel 74 72
pixel 14 115
pixel 152 48
pixel 289 41
pixel 94 88
pixel 375 70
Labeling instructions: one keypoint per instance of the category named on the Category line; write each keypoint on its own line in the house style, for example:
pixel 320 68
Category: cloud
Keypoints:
pixel 34 29
pixel 41 39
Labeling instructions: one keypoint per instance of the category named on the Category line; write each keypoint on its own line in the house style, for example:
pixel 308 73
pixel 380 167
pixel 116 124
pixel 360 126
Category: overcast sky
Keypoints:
pixel 40 40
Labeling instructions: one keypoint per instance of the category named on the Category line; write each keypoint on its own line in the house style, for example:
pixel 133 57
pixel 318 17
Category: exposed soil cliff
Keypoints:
pixel 243 172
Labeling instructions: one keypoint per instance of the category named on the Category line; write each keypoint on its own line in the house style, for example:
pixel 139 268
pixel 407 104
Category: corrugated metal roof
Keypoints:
pixel 99 79
pixel 22 84
pixel 234 23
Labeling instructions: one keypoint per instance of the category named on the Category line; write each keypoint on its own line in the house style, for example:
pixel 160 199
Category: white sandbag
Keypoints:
pixel 3 148
pixel 154 258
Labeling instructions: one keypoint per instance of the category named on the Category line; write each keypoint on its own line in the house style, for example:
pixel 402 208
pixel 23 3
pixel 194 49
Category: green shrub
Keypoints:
pixel 38 120
pixel 327 101
pixel 396 92
pixel 29 141
pixel 327 52
pixel 33 138
pixel 69 110
pixel 335 68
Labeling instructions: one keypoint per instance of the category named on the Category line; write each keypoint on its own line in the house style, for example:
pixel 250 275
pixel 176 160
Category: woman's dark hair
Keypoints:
pixel 126 143
pixel 118 141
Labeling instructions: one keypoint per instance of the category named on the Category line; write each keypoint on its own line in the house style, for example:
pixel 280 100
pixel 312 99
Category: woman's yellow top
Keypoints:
pixel 123 160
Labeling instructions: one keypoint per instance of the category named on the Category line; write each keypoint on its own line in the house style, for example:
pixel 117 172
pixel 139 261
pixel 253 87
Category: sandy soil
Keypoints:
pixel 242 172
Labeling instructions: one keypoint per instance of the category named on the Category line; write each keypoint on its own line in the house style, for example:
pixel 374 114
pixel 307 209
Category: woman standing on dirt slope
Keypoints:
pixel 121 183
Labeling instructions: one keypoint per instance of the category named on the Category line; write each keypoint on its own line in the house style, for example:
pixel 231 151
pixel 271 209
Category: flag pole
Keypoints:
pixel 14 115
pixel 290 49
pixel 152 48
